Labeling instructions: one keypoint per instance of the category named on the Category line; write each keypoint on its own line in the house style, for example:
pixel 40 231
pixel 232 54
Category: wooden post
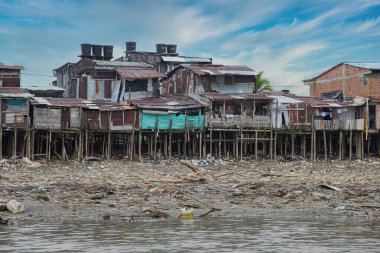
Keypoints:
pixel 1 130
pixel 14 151
pixel 132 149
pixel 330 145
pixel 49 146
pixel 220 145
pixel 350 154
pixel 170 136
pixel 140 135
pixel 155 138
pixel 186 135
pixel 315 145
pixel 275 145
pixel 256 146
pixel 325 143
pixel 63 146
pixel 340 145
pixel 293 137
pixel 304 146
pixel 241 142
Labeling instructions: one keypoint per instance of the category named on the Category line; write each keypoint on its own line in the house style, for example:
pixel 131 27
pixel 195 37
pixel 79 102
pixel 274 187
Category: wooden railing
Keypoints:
pixel 335 124
pixel 257 121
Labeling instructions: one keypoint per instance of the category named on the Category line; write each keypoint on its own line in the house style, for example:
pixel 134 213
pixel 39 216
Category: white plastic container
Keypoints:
pixel 14 206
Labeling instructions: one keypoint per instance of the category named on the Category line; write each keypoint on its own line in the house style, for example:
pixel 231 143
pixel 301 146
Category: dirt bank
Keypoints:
pixel 124 190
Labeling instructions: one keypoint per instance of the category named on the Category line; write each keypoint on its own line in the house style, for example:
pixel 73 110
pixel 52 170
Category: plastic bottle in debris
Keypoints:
pixel 14 206
pixel 187 214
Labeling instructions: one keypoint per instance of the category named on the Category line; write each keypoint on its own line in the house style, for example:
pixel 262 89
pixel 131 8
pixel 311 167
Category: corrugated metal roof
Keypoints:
pixel 43 88
pixel 14 92
pixel 139 73
pixel 171 102
pixel 220 70
pixel 84 103
pixel 186 59
pixel 366 65
pixel 2 66
pixel 230 97
pixel 100 64
pixel 286 100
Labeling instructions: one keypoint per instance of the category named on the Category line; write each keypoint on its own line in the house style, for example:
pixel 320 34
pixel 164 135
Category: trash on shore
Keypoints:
pixel 187 214
pixel 331 187
pixel 31 164
pixel 14 206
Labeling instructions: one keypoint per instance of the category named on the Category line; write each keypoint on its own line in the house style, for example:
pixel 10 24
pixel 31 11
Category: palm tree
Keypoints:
pixel 262 84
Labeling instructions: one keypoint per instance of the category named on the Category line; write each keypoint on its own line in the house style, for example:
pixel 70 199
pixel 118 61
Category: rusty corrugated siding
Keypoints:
pixel 83 88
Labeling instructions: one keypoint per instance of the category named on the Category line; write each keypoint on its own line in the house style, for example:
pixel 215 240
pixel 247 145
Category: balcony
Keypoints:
pixel 335 124
pixel 258 121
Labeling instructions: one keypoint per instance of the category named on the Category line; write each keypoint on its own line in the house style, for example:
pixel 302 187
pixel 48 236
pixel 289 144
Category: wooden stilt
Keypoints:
pixel 325 143
pixel 275 145
pixel 256 145
pixel 170 137
pixel 63 146
pixel 350 152
pixel 271 145
pixel 315 145
pixel 340 145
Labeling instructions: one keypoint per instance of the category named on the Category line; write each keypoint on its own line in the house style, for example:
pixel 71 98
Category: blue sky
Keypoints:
pixel 288 40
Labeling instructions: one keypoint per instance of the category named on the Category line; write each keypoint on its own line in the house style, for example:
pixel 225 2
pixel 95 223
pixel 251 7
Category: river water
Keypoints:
pixel 201 235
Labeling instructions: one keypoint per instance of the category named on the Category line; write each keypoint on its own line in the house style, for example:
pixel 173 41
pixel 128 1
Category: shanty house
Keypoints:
pixel 10 76
pixel 14 107
pixel 57 113
pixel 102 116
pixel 237 110
pixel 170 113
pixel 164 59
pixel 188 79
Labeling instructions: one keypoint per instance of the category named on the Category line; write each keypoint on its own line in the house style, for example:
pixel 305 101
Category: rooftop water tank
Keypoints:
pixel 97 51
pixel 161 48
pixel 86 49
pixel 107 52
pixel 130 46
pixel 171 48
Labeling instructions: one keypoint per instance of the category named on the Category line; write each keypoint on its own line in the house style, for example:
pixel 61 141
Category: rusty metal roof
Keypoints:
pixel 83 103
pixel 2 66
pixel 230 97
pixel 173 102
pixel 219 69
pixel 44 88
pixel 120 64
pixel 14 92
pixel 139 73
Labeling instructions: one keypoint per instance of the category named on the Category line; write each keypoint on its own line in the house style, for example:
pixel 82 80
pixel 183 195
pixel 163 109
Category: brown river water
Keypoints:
pixel 200 235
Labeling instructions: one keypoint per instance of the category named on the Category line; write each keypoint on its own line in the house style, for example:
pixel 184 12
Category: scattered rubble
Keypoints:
pixel 127 190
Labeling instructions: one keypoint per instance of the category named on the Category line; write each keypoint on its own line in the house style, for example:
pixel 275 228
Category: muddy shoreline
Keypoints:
pixel 129 191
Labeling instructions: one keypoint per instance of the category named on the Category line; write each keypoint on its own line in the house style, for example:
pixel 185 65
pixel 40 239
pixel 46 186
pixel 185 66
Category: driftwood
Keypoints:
pixel 193 168
pixel 210 211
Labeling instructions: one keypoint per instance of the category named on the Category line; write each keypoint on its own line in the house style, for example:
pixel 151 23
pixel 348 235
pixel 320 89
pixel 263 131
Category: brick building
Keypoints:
pixel 352 78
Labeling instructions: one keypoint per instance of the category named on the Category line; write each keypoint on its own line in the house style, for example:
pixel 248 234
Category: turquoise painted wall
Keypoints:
pixel 148 121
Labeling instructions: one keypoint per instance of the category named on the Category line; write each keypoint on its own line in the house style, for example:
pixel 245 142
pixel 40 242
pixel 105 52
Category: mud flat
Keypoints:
pixel 127 191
